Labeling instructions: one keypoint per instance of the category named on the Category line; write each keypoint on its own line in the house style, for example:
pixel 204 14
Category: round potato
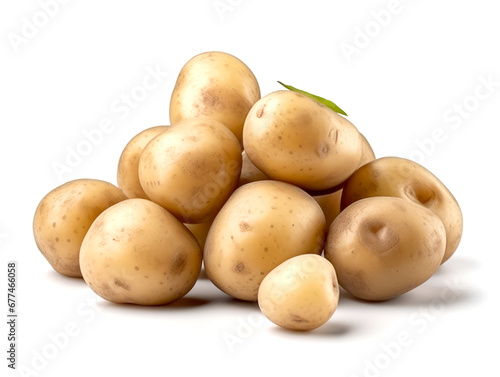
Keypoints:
pixel 128 165
pixel 330 203
pixel 383 247
pixel 191 169
pixel 249 172
pixel 293 138
pixel 64 216
pixel 399 177
pixel 137 252
pixel 218 85
pixel 302 293
pixel 262 224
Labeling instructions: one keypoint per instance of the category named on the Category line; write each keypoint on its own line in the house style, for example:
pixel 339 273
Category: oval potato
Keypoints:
pixel 262 224
pixel 136 252
pixel 302 293
pixel 218 85
pixel 64 216
pixel 382 247
pixel 293 138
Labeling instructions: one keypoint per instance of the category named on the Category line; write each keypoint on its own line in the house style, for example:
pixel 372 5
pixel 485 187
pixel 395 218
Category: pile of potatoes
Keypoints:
pixel 280 198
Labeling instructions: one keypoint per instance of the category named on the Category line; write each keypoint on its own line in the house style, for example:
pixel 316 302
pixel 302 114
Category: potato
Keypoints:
pixel 217 85
pixel 137 252
pixel 262 224
pixel 191 169
pixel 399 177
pixel 249 172
pixel 293 138
pixel 330 203
pixel 302 293
pixel 128 165
pixel 63 217
pixel 382 247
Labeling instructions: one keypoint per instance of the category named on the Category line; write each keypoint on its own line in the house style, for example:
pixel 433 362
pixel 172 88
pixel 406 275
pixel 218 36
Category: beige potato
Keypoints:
pixel 302 293
pixel 330 203
pixel 136 252
pixel 382 247
pixel 262 224
pixel 293 138
pixel 249 172
pixel 64 216
pixel 218 85
pixel 191 169
pixel 399 177
pixel 128 165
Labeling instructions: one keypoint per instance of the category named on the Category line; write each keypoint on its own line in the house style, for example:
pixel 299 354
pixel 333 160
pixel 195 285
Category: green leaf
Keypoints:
pixel 322 100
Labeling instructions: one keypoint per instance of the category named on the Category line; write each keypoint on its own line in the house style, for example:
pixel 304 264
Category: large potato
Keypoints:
pixel 128 165
pixel 217 85
pixel 293 138
pixel 302 293
pixel 64 216
pixel 399 177
pixel 137 252
pixel 330 203
pixel 382 247
pixel 262 224
pixel 191 169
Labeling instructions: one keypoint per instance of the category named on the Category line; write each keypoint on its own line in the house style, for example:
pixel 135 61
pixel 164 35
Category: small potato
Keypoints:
pixel 302 293
pixel 128 165
pixel 191 169
pixel 382 247
pixel 330 203
pixel 217 85
pixel 137 252
pixel 262 224
pixel 63 217
pixel 293 138
pixel 399 177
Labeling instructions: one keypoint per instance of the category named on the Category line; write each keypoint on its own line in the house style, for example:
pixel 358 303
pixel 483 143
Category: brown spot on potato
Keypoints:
pixel 298 319
pixel 244 226
pixel 179 263
pixel 260 112
pixel 136 268
pixel 240 267
pixel 121 284
pixel 54 225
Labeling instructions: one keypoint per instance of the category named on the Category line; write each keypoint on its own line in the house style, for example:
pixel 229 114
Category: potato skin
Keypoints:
pixel 330 203
pixel 262 224
pixel 128 164
pixel 293 138
pixel 403 178
pixel 191 169
pixel 137 252
pixel 382 247
pixel 64 216
pixel 218 85
pixel 302 293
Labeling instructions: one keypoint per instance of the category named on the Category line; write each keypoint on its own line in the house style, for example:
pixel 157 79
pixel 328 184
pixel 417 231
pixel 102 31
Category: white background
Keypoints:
pixel 400 86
